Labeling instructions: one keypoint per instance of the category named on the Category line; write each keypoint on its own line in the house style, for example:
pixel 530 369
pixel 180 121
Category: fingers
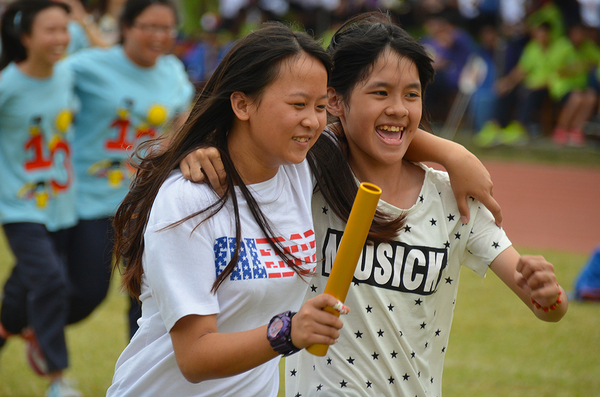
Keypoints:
pixel 522 282
pixel 535 266
pixel 492 205
pixel 463 208
pixel 214 170
pixel 536 276
pixel 546 294
pixel 313 325
pixel 487 200
pixel 341 308
pixel 204 165
pixel 191 169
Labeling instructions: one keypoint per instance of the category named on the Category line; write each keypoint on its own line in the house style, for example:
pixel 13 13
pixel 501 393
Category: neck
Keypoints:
pixel 400 183
pixel 250 167
pixel 136 61
pixel 39 70
pixel 387 177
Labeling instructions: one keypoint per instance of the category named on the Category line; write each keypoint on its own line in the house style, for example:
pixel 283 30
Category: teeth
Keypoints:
pixel 301 139
pixel 389 128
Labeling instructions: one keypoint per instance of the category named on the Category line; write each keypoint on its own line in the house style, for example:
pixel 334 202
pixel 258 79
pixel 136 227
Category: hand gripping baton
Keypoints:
pixel 351 246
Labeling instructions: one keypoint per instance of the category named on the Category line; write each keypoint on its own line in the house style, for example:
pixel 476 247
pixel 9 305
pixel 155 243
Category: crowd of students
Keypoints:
pixel 540 60
pixel 212 270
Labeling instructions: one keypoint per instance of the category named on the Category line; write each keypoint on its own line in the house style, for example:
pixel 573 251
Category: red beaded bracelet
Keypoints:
pixel 553 307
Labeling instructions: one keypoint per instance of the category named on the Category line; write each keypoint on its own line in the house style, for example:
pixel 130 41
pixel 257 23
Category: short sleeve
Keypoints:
pixel 179 259
pixel 486 240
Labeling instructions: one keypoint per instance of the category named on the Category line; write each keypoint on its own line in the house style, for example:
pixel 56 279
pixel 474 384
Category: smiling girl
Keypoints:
pixel 36 195
pixel 405 285
pixel 213 272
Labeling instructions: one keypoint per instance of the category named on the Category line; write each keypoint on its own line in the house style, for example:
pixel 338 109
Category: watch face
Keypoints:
pixel 275 327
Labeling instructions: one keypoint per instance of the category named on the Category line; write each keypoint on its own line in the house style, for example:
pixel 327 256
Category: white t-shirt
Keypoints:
pixel 181 264
pixel 402 298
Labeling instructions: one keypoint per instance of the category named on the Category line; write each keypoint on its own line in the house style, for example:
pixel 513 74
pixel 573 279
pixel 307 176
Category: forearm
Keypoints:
pixel 531 277
pixel 218 355
pixel 93 33
pixel 428 147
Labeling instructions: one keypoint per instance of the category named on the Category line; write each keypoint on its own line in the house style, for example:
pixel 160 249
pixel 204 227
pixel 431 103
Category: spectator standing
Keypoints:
pixel 36 194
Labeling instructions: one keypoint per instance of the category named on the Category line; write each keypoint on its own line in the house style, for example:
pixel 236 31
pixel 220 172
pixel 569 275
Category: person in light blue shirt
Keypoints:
pixel 83 29
pixel 37 191
pixel 35 148
pixel 127 93
pixel 122 104
pixel 79 38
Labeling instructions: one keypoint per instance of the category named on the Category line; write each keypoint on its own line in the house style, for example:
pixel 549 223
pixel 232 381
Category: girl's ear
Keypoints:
pixel 25 40
pixel 240 105
pixel 334 103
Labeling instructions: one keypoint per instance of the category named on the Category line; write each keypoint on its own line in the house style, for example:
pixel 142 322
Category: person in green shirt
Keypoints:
pixel 571 61
pixel 530 77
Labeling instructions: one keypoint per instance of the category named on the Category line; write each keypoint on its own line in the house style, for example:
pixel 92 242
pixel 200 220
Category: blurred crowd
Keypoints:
pixel 510 71
pixel 507 71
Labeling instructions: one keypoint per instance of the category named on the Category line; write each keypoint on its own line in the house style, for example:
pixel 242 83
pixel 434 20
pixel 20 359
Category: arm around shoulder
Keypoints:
pixel 468 175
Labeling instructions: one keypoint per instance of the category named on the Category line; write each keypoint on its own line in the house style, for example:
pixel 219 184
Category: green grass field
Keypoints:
pixel 497 348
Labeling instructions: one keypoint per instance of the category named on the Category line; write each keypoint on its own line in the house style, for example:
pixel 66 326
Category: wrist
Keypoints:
pixel 552 306
pixel 279 334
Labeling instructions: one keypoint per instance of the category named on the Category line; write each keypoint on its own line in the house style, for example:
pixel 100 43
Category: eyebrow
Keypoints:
pixel 305 95
pixel 384 84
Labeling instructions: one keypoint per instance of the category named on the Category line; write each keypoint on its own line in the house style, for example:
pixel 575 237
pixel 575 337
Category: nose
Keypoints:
pixel 314 120
pixel 397 108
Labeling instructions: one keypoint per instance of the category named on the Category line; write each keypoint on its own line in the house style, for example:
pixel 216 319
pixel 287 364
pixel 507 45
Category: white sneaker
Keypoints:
pixel 62 388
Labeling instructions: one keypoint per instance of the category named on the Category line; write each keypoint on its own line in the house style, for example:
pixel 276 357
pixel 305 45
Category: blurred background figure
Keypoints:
pixel 128 93
pixel 573 59
pixel 83 29
pixel 106 14
pixel 531 78
pixel 37 201
pixel 587 283
pixel 450 47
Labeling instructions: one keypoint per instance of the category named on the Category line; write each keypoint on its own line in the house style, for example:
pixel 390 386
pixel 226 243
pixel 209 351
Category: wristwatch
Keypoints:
pixel 279 334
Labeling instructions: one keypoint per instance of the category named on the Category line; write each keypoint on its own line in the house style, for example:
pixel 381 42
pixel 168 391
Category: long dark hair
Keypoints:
pixel 354 49
pixel 17 20
pixel 250 66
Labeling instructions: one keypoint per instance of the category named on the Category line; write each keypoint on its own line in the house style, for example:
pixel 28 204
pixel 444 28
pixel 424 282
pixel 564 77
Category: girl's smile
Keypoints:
pixel 390 133
pixel 282 125
pixel 383 112
pixel 47 42
pixel 151 35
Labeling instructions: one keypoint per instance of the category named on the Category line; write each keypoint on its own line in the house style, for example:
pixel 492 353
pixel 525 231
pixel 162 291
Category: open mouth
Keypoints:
pixel 301 140
pixel 390 133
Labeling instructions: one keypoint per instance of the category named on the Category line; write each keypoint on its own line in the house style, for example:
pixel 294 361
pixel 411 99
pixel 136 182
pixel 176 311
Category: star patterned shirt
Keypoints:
pixel 402 298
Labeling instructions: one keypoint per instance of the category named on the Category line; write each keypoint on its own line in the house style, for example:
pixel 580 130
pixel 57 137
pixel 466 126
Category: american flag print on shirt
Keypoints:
pixel 257 258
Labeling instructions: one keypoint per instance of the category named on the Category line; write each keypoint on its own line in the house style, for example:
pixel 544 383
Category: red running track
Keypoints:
pixel 548 206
